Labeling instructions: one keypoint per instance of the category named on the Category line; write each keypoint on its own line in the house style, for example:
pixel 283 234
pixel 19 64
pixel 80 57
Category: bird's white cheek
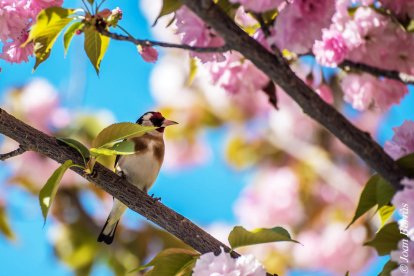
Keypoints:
pixel 140 169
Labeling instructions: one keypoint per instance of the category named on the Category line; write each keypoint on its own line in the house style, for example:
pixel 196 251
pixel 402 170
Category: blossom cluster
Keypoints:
pixel 402 144
pixel 223 264
pixel 16 17
pixel 332 30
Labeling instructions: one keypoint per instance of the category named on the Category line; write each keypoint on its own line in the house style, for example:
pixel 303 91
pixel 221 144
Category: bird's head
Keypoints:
pixel 156 119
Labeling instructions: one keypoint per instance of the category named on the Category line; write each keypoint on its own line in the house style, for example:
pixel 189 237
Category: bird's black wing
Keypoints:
pixel 117 158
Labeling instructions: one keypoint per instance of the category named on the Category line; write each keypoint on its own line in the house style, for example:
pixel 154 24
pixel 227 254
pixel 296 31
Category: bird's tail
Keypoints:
pixel 108 231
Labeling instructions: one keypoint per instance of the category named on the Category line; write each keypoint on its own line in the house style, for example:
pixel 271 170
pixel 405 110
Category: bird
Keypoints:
pixel 140 169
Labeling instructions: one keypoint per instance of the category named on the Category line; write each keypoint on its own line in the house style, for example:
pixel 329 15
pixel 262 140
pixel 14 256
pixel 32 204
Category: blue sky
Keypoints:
pixel 123 88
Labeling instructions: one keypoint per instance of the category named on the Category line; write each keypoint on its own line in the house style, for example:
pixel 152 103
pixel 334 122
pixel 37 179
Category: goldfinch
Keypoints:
pixel 140 169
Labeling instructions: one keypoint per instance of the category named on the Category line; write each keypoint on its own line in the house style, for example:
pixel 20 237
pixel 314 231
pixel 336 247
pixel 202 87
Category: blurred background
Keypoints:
pixel 233 160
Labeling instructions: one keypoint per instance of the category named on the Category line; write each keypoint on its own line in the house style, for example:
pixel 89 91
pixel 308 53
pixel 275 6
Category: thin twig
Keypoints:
pixel 379 72
pixel 11 154
pixel 147 42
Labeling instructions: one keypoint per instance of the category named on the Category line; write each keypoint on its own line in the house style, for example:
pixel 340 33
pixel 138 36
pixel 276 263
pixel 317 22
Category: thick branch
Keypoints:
pixel 277 69
pixel 11 154
pixel 32 139
pixel 378 72
pixel 146 42
pixel 345 65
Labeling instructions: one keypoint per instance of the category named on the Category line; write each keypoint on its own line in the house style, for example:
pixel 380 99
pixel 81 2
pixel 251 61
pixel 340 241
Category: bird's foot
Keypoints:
pixel 121 174
pixel 92 174
pixel 155 199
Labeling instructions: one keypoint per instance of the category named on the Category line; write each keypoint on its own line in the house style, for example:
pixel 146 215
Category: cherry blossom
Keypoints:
pixel 308 16
pixel 16 17
pixel 332 50
pixel 271 199
pixel 148 53
pixel 224 265
pixel 333 249
pixel 259 5
pixel 364 91
pixel 195 32
pixel 402 143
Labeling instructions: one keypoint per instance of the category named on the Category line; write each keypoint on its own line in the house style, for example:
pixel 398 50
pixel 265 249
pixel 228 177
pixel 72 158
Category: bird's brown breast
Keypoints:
pixel 157 143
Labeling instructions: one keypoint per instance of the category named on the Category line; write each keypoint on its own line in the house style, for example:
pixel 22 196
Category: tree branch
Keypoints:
pixel 11 154
pixel 277 69
pixel 146 42
pixel 389 74
pixel 137 200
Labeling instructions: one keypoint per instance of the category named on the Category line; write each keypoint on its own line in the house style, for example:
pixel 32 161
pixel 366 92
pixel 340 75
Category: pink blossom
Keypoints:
pixel 182 153
pixel 364 91
pixel 14 53
pixel 333 249
pixel 195 32
pixel 244 83
pixel 148 53
pixel 332 50
pixel 259 5
pixel 35 103
pixel 13 19
pixel 405 250
pixel 389 92
pixel 300 23
pixel 272 199
pixel 37 5
pixel 402 143
pixel 237 75
pixel 224 265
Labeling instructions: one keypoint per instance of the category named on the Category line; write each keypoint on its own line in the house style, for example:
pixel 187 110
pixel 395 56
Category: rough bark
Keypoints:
pixel 35 140
pixel 278 70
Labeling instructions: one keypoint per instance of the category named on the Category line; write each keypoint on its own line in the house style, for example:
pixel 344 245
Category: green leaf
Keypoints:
pixel 168 6
pixel 388 267
pixel 91 2
pixel 122 148
pixel 172 261
pixel 48 192
pixel 95 47
pixel 187 269
pixel 70 32
pixel 241 237
pixel 78 146
pixel 5 228
pixel 49 24
pixel 119 131
pixel 407 163
pixel 387 238
pixel 376 192
pixel 385 213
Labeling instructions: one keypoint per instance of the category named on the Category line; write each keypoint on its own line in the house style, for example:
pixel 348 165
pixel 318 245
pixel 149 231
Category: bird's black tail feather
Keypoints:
pixel 107 238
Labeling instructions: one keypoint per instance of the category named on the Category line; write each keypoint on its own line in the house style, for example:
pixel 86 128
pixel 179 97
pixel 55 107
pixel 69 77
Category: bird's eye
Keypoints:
pixel 157 121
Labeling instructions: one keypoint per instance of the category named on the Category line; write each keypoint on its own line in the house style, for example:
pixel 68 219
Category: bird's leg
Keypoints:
pixel 155 198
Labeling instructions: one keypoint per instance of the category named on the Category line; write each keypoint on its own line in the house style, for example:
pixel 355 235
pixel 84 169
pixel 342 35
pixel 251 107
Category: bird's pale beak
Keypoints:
pixel 168 123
